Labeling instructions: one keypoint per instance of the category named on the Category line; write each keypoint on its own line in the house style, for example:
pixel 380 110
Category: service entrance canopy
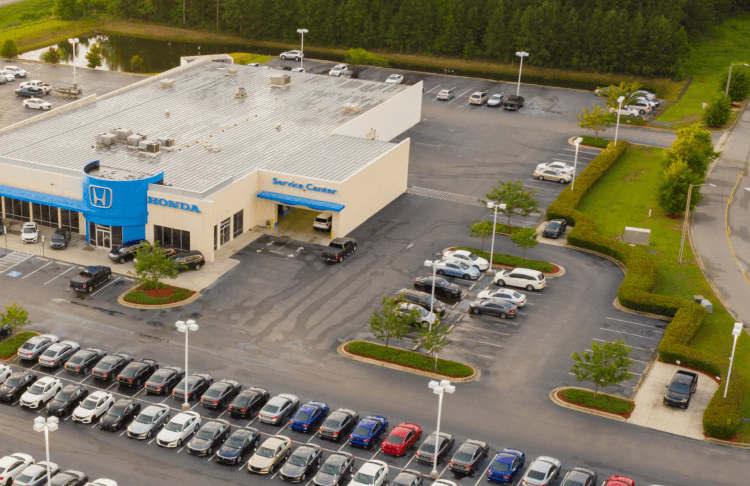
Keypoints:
pixel 301 201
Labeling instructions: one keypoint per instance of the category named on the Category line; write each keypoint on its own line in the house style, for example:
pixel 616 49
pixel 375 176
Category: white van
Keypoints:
pixel 520 277
pixel 324 221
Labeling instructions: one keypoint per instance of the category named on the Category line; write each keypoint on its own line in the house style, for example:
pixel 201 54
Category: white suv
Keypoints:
pixel 30 233
pixel 626 111
pixel 17 71
pixel 521 277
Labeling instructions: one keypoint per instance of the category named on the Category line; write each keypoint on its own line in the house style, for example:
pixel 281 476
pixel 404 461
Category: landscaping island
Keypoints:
pixel 513 261
pixel 603 402
pixel 163 294
pixel 409 359
pixel 9 347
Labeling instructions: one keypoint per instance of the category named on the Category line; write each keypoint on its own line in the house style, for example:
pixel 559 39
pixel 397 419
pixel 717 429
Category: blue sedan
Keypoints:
pixel 368 430
pixel 456 268
pixel 309 415
pixel 505 466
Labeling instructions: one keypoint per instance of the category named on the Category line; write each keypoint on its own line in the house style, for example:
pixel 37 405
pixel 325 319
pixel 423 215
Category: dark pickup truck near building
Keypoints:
pixel 339 249
pixel 89 278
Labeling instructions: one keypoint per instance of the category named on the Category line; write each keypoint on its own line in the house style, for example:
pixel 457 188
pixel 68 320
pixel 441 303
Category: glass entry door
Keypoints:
pixel 224 231
pixel 100 236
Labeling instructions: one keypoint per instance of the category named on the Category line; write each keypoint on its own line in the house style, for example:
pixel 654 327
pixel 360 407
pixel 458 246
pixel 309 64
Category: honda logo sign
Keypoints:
pixel 100 197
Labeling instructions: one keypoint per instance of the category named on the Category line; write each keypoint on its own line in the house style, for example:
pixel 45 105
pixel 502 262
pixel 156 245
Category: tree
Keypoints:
pixel 739 86
pixel 389 323
pixel 674 185
pixel 525 238
pixel 481 229
pixel 15 316
pixel 153 264
pixel 9 49
pixel 611 93
pixel 136 64
pixel 608 364
pixel 597 120
pixel 67 9
pixel 53 55
pixel 694 145
pixel 94 56
pixel 434 339
pixel 717 113
pixel 517 200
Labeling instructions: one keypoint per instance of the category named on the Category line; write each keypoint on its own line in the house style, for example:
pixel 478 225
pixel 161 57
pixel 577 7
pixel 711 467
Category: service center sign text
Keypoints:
pixel 173 204
pixel 304 187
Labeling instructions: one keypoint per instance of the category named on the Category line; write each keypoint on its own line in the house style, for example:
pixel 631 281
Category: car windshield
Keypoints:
pixel 428 447
pixel 329 469
pixel 463 456
pixel 129 372
pixel 191 381
pixel 235 442
pixel 89 404
pixel 361 431
pixel 75 360
pixel 212 393
pixel 444 92
pixel 463 266
pixel 553 225
pixel 271 408
pixel 50 353
pixel 364 478
pixel 394 439
pixel 296 460
pixel 65 395
pixel 117 410
pixel 28 345
pixel 174 427
pixel 517 295
pixel 302 416
pixel 681 388
pixel 13 382
pixel 56 237
pixel 28 230
pixel 205 434
pixel 500 466
pixel 534 474
pixel 24 478
pixel 332 423
pixel 320 220
pixel 241 402
pixel 265 451
pixel 572 482
pixel 144 419
pixel 157 379
pixel 105 365
pixel 37 389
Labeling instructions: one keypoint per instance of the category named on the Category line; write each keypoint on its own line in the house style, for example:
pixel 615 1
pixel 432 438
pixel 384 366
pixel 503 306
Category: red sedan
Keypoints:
pixel 401 438
pixel 619 481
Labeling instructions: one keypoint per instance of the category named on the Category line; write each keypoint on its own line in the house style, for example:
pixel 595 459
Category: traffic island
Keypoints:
pixel 10 345
pixel 408 361
pixel 500 260
pixel 162 297
pixel 604 405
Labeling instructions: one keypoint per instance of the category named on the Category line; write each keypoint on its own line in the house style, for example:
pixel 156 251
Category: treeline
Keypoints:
pixel 648 37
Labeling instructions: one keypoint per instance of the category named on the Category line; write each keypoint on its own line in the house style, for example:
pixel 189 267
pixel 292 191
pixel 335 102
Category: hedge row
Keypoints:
pixel 601 402
pixel 721 418
pixel 11 344
pixel 510 260
pixel 595 142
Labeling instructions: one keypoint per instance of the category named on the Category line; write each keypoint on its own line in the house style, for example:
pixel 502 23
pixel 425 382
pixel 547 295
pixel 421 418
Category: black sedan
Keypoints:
pixel 209 437
pixel 84 360
pixel 137 372
pixel 67 399
pixel 60 239
pixel 219 394
pixel 237 445
pixel 16 384
pixel 494 307
pixel 426 452
pixel 681 389
pixel 69 478
pixel 120 414
pixel 336 469
pixel 580 476
pixel 443 288
pixel 555 228
pixel 5 330
pixel 196 385
pixel 469 456
pixel 339 424
pixel 408 477
pixel 248 401
pixel 164 380
pixel 301 463
pixel 111 365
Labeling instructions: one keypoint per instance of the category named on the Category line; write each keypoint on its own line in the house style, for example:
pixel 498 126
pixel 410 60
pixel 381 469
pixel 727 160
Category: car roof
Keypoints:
pixel 276 440
pixel 371 467
pixel 47 379
pixel 183 417
pixel 214 424
pixel 337 458
pixel 152 409
pixel 99 394
pixel 244 432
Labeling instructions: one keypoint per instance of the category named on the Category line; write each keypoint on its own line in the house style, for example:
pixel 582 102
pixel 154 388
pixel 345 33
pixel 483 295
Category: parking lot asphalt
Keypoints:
pixel 91 81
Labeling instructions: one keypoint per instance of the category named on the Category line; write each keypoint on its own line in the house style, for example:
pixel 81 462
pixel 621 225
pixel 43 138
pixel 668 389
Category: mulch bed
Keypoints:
pixel 399 364
pixel 159 293
pixel 623 415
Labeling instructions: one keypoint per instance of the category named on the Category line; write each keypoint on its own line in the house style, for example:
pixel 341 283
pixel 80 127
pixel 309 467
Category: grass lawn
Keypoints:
pixel 11 344
pixel 510 260
pixel 602 402
pixel 410 359
pixel 623 198
pixel 27 11
pixel 137 296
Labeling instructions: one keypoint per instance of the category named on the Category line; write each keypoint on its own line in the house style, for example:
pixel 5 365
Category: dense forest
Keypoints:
pixel 648 37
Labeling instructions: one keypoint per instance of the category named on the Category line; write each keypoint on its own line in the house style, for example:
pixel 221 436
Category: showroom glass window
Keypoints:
pixel 69 219
pixel 45 215
pixel 172 238
pixel 238 224
pixel 17 210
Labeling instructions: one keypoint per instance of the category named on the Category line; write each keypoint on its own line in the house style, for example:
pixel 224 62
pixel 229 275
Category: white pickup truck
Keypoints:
pixel 46 88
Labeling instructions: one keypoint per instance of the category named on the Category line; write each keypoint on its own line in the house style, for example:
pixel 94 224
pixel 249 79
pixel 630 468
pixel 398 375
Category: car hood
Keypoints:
pixel 56 404
pixel 139 428
pixel 229 452
pixel 670 394
pixel 83 413
pixel 200 444
pixel 325 479
pixel 29 397
pixel 292 470
pixel 260 461
pixel 110 420
pixel 169 436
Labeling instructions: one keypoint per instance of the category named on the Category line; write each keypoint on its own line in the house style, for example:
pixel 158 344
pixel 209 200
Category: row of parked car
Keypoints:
pixel 20 469
pixel 481 98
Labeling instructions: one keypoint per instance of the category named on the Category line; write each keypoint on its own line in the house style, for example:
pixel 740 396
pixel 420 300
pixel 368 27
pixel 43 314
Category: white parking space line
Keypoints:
pixel 627 386
pixel 311 438
pixel 376 453
pixel 93 426
pixel 343 445
pixel 181 449
pixel 629 334
pixel 66 271
pixel 167 398
pixel 123 432
pixel 110 386
pixel 209 459
pixel 407 464
pixel 242 466
pixel 222 413
pixel 113 281
pixel 476 341
pixel 32 273
pixel 627 346
pixel 636 360
pixel 431 89
pixel 149 442
pixel 287 425
pixel 458 96
pixel 61 370
pixel 18 263
pixel 631 322
pixel 484 475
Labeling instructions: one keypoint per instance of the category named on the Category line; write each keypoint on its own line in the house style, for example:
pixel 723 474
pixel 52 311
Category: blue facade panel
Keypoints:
pixel 41 198
pixel 301 201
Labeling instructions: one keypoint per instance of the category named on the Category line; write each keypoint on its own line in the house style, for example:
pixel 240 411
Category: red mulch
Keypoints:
pixel 159 293
pixel 399 364
pixel 624 415
pixel 693 369
pixel 673 216
pixel 736 438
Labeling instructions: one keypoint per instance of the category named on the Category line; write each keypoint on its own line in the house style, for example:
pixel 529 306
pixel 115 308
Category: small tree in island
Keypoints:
pixel 434 338
pixel 481 229
pixel 524 238
pixel 15 316
pixel 605 365
pixel 517 200
pixel 389 322
pixel 153 264
pixel 597 120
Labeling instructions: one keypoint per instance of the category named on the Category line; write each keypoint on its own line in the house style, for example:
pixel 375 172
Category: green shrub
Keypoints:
pixel 11 344
pixel 9 49
pixel 717 114
pixel 510 260
pixel 602 402
pixel 140 297
pixel 410 358
pixel 722 416
pixel 739 86
pixel 595 142
pixel 364 58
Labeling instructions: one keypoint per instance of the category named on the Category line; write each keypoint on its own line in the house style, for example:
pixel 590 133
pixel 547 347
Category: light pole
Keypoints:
pixel 687 213
pixel 186 327
pixel 736 333
pixel 433 264
pixel 444 386
pixel 726 92
pixel 520 54
pixel 491 205
pixel 50 425
pixel 302 48
pixel 576 142
pixel 74 41
pixel 619 107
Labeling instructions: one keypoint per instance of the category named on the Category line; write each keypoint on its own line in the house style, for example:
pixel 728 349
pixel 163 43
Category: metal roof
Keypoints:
pixel 217 135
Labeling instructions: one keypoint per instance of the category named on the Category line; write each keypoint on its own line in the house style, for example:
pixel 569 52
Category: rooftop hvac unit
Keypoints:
pixel 231 72
pixel 106 139
pixel 351 107
pixel 241 93
pixel 166 83
pixel 166 142
pixel 121 133
pixel 280 80
pixel 135 139
pixel 149 146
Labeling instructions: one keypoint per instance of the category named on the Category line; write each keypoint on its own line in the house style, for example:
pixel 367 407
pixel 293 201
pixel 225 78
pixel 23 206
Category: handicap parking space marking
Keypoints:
pixel 630 334
pixel 32 273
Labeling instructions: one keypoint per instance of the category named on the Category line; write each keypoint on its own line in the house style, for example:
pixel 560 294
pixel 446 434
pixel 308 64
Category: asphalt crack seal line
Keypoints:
pixel 726 224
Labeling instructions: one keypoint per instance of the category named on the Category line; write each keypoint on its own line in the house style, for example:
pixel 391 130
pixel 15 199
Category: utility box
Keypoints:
pixel 707 304
pixel 636 236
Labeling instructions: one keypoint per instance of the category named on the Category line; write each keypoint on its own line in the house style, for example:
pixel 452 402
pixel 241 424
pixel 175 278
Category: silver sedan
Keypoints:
pixel 148 422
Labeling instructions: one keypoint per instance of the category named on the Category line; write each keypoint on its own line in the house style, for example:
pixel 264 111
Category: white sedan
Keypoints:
pixel 41 392
pixel 562 167
pixel 446 94
pixel 505 294
pixel 35 474
pixel 626 111
pixel 468 258
pixel 338 69
pixel 178 429
pixel 102 482
pixel 372 473
pixel 37 104
pixel 394 79
pixel 11 466
pixel 5 372
pixel 496 100
pixel 93 407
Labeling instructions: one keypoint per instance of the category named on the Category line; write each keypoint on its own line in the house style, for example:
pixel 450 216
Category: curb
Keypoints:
pixel 557 401
pixel 726 443
pixel 341 349
pixel 121 300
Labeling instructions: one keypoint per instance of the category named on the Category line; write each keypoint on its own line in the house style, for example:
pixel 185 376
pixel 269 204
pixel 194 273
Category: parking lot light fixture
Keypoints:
pixel 186 327
pixel 433 264
pixel 520 54
pixel 439 388
pixel 729 77
pixel 736 333
pixel 619 107
pixel 687 214
pixel 576 142
pixel 302 47
pixel 50 425
pixel 494 206
pixel 74 41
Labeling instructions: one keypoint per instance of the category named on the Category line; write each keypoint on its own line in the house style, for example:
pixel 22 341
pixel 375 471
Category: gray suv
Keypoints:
pixel 148 422
pixel 422 299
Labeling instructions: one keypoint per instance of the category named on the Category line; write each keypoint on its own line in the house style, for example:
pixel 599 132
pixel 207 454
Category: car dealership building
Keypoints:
pixel 197 155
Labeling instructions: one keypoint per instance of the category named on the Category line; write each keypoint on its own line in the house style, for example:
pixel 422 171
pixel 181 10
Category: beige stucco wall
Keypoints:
pixel 41 181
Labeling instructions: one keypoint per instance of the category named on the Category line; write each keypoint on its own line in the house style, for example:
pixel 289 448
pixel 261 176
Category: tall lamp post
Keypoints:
pixel 491 205
pixel 74 41
pixel 302 48
pixel 444 386
pixel 726 92
pixel 576 142
pixel 433 264
pixel 619 107
pixel 687 213
pixel 736 333
pixel 50 425
pixel 186 327
pixel 520 54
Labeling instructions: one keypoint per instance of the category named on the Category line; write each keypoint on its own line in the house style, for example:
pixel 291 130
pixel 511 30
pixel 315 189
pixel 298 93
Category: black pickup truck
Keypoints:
pixel 339 249
pixel 89 278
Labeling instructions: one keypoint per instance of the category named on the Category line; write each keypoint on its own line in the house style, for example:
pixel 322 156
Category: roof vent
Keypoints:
pixel 121 133
pixel 166 113
pixel 278 128
pixel 149 146
pixel 166 142
pixel 135 139
pixel 241 93
pixel 231 72
pixel 106 139
pixel 351 107
pixel 221 65
pixel 166 83
pixel 280 80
